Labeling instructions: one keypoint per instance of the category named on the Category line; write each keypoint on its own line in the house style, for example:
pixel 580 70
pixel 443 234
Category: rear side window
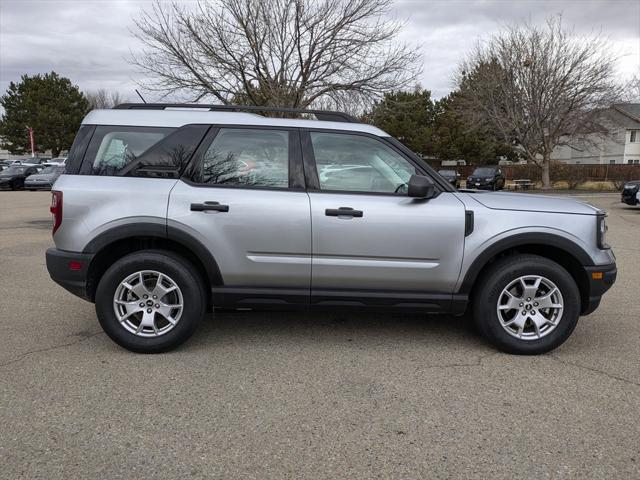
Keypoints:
pixel 245 157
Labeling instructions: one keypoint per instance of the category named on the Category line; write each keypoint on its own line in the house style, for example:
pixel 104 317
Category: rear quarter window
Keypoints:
pixel 112 148
pixel 141 151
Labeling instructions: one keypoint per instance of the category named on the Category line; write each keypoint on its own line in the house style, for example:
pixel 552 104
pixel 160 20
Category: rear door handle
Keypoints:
pixel 209 206
pixel 343 212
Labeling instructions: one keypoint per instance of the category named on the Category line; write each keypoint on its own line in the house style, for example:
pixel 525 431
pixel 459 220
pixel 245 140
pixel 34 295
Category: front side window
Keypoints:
pixel 246 157
pixel 357 163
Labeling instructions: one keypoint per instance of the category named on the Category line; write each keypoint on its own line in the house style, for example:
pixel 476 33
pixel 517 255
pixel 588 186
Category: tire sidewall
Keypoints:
pixel 180 271
pixel 486 301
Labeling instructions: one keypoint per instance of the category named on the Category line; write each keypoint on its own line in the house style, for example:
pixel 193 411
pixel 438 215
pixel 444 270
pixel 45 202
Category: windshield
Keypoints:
pixel 484 172
pixel 14 170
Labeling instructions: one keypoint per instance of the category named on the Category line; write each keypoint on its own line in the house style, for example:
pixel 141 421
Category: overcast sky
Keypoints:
pixel 89 40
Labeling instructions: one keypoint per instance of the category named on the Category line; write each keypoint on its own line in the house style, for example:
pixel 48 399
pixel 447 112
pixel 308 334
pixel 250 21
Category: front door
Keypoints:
pixel 368 236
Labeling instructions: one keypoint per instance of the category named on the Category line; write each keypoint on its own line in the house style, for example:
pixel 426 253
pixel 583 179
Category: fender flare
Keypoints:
pixel 162 232
pixel 522 239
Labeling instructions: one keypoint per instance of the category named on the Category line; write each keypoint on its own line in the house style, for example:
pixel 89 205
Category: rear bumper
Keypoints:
pixel 598 285
pixel 69 270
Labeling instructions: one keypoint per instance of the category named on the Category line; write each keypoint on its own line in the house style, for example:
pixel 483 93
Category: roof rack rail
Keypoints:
pixel 325 115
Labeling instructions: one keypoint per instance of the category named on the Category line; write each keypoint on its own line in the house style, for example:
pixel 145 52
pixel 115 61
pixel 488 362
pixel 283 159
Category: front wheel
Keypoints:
pixel 526 304
pixel 150 301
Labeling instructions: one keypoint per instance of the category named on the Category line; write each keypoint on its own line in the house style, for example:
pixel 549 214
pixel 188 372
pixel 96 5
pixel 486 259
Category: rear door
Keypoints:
pixel 243 198
pixel 369 238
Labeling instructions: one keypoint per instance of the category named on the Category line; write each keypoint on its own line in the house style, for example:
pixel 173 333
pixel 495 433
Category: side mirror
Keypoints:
pixel 420 187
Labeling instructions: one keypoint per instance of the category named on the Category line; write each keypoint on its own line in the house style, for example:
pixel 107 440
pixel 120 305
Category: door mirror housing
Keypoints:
pixel 421 187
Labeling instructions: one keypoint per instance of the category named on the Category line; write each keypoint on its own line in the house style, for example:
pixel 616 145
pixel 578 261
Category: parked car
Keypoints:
pixel 56 161
pixel 29 161
pixel 13 177
pixel 630 192
pixel 451 176
pixel 237 210
pixel 486 178
pixel 45 179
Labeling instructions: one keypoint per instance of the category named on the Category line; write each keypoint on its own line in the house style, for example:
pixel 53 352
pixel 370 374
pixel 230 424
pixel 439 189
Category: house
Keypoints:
pixel 621 147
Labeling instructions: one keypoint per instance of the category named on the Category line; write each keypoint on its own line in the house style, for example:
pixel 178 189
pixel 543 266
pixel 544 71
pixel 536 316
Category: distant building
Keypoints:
pixel 622 147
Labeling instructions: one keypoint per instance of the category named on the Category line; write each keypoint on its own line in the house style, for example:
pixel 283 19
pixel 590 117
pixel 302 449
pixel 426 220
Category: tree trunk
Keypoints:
pixel 55 152
pixel 546 180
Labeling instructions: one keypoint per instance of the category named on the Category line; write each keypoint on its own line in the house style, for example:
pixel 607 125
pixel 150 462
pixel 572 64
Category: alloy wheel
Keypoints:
pixel 530 307
pixel 148 303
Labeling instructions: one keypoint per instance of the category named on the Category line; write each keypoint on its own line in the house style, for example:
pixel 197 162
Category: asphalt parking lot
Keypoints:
pixel 291 395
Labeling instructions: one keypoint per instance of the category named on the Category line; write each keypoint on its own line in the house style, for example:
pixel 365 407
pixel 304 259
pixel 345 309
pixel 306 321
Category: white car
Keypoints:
pixel 56 161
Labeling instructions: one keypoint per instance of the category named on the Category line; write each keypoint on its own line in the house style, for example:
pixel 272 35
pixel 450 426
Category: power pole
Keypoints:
pixel 33 143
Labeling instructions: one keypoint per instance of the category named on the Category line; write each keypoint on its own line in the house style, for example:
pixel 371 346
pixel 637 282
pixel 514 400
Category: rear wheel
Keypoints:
pixel 150 301
pixel 526 304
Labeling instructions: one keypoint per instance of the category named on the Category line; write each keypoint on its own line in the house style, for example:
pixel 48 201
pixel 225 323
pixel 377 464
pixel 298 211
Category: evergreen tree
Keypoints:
pixel 409 117
pixel 50 104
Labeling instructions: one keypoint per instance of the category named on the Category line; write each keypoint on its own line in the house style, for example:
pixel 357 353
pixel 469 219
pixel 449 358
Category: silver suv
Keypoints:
pixel 165 212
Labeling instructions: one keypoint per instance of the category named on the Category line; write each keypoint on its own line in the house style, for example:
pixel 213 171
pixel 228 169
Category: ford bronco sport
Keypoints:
pixel 166 211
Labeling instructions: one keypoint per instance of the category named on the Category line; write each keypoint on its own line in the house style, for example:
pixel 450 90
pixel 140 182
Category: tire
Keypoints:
pixel 163 335
pixel 490 291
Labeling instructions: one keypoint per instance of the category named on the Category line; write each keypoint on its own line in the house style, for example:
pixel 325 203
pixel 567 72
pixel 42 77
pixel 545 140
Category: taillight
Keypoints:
pixel 56 209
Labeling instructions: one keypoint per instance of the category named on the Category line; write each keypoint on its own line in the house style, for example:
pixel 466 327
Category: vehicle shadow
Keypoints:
pixel 373 329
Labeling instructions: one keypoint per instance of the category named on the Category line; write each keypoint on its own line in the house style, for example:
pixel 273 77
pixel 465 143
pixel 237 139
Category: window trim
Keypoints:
pixel 311 171
pixel 296 173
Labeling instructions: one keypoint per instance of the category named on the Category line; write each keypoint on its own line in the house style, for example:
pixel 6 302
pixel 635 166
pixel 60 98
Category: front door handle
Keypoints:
pixel 209 206
pixel 343 212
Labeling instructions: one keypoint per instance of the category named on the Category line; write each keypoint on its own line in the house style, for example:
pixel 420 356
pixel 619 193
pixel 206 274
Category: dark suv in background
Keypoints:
pixel 630 192
pixel 451 176
pixel 486 178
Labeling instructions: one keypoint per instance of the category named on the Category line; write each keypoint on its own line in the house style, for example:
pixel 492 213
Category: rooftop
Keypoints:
pixel 179 116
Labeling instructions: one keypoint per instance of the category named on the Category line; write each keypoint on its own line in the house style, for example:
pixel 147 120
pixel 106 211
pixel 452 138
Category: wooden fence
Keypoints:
pixel 561 171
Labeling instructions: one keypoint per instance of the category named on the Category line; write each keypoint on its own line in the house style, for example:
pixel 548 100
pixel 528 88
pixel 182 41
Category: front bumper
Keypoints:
pixel 629 196
pixel 69 270
pixel 482 185
pixel 600 279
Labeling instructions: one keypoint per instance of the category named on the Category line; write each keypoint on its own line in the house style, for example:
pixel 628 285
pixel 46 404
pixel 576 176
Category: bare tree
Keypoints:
pixel 103 98
pixel 539 88
pixel 632 90
pixel 293 53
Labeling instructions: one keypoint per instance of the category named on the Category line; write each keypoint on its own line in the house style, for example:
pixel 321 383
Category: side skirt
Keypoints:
pixel 297 299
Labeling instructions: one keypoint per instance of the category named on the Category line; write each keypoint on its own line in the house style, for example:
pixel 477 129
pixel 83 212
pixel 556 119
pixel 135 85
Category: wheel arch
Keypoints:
pixel 556 248
pixel 117 242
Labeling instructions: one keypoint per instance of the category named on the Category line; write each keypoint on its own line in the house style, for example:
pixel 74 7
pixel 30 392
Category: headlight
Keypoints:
pixel 601 232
